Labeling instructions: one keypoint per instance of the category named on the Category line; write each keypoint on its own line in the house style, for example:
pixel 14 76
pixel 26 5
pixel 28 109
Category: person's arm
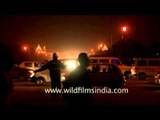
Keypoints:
pixel 62 65
pixel 42 68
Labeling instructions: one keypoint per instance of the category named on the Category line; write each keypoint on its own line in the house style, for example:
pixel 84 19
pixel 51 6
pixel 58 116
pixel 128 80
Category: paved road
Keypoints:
pixel 145 94
pixel 139 93
pixel 143 98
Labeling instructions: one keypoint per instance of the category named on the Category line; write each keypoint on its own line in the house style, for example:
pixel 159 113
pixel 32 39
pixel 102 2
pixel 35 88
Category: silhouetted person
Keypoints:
pixel 6 63
pixel 95 69
pixel 79 78
pixel 54 67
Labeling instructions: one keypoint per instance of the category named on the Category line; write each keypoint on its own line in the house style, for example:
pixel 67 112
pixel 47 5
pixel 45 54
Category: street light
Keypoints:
pixel 124 30
pixel 92 52
pixel 27 49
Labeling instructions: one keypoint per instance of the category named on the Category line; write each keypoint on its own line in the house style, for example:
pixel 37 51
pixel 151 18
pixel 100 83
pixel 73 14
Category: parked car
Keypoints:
pixel 32 65
pixel 20 74
pixel 106 75
pixel 146 67
pixel 126 70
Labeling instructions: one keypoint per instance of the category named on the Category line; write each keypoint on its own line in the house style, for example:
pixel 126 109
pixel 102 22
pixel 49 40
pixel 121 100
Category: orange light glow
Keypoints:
pixel 92 50
pixel 25 48
pixel 124 28
pixel 70 54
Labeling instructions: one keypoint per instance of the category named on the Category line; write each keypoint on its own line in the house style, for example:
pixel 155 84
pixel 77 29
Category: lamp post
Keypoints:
pixel 124 30
pixel 27 49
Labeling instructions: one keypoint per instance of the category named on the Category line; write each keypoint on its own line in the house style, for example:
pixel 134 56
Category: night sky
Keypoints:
pixel 76 32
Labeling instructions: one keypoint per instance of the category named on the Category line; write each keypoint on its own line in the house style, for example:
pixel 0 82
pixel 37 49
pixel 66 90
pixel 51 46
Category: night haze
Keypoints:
pixel 123 31
pixel 76 32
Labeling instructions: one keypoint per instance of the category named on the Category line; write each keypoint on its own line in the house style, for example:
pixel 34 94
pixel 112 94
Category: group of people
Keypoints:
pixel 78 78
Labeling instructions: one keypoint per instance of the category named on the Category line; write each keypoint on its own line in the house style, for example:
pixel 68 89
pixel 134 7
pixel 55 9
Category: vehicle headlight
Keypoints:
pixel 133 71
pixel 31 73
pixel 71 64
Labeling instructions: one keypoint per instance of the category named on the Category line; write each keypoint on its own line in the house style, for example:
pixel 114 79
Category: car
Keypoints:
pixel 32 65
pixel 126 69
pixel 146 67
pixel 20 74
pixel 106 75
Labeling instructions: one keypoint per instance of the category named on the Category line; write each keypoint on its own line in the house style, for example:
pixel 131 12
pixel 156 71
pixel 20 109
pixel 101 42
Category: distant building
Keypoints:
pixel 102 47
pixel 44 50
pixel 39 50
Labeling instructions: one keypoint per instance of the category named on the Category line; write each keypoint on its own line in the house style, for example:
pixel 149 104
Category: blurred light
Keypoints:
pixel 32 73
pixel 69 54
pixel 104 47
pixel 71 64
pixel 124 28
pixel 157 54
pixel 92 50
pixel 63 78
pixel 25 48
pixel 100 46
pixel 133 71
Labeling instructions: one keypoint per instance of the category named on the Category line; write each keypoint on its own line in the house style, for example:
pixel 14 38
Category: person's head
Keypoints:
pixel 55 56
pixel 83 59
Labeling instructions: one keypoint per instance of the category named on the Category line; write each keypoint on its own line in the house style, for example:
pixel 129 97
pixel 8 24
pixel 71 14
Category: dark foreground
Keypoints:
pixel 143 98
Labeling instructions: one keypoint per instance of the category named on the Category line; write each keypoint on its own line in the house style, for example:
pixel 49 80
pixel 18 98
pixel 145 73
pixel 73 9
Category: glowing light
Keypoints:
pixel 63 78
pixel 69 54
pixel 124 28
pixel 38 49
pixel 92 50
pixel 25 48
pixel 31 73
pixel 104 47
pixel 71 64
